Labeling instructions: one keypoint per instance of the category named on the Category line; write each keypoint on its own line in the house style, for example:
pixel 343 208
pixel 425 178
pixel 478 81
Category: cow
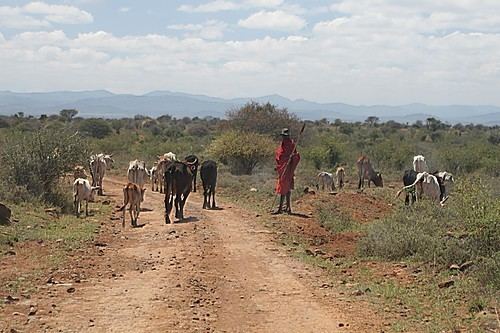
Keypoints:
pixel 98 165
pixel 445 182
pixel 178 180
pixel 82 191
pixel 193 159
pixel 133 195
pixel 419 164
pixel 79 172
pixel 208 174
pixel 162 164
pixel 409 178
pixel 137 172
pixel 365 171
pixel 168 156
pixel 340 173
pixel 427 185
pixel 153 174
pixel 325 179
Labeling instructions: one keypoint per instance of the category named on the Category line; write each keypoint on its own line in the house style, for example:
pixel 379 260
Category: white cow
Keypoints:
pixel 447 182
pixel 325 179
pixel 82 191
pixel 98 165
pixel 153 174
pixel 427 185
pixel 169 157
pixel 137 172
pixel 419 164
pixel 163 161
pixel 340 173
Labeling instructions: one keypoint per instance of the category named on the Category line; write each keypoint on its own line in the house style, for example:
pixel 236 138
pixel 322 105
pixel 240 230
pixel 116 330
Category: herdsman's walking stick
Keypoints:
pixel 289 160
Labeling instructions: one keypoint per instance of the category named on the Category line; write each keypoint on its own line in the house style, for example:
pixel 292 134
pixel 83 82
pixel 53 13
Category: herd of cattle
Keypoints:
pixel 175 178
pixel 418 182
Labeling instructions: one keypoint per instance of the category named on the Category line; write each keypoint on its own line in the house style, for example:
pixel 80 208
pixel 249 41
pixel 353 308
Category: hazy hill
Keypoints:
pixel 106 104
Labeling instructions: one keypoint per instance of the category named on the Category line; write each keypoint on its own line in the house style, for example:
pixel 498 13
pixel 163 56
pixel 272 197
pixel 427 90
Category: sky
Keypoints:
pixel 362 52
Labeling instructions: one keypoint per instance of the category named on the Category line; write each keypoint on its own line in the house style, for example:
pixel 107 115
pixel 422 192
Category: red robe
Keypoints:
pixel 282 156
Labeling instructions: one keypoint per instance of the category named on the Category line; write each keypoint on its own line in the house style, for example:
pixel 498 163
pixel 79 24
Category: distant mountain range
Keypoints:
pixel 102 103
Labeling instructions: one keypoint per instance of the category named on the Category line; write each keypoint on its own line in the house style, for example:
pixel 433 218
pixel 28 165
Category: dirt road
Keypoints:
pixel 219 271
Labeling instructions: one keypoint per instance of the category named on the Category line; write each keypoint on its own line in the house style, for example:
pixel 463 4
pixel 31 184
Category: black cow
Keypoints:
pixel 409 178
pixel 178 179
pixel 208 173
pixel 194 162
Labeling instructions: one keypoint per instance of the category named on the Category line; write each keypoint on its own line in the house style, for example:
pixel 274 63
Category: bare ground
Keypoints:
pixel 218 271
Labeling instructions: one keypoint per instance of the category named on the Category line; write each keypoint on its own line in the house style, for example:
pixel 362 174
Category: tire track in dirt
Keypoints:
pixel 217 272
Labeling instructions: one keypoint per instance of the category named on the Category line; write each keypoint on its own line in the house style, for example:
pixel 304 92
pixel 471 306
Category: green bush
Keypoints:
pixel 334 220
pixel 36 161
pixel 242 151
pixel 467 229
pixel 96 128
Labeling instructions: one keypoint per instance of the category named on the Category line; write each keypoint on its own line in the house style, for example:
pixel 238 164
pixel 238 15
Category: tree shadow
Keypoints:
pixel 146 209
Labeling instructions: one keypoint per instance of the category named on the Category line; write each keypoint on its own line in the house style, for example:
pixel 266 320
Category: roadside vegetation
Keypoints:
pixel 37 153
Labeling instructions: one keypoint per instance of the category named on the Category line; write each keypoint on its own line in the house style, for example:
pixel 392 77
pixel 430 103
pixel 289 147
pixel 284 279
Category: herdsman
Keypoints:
pixel 287 159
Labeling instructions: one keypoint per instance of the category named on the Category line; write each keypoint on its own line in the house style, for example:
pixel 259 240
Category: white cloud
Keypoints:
pixel 211 29
pixel 210 7
pixel 366 52
pixel 276 20
pixel 14 18
pixel 124 9
pixel 223 5
pixel 59 13
pixel 36 15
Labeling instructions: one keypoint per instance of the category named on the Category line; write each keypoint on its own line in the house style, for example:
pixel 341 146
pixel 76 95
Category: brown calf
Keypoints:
pixel 133 195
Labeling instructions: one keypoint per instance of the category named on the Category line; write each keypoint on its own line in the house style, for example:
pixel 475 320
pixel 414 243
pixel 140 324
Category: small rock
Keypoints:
pixel 33 311
pixel 253 189
pixel 341 325
pixel 454 267
pixel 357 292
pixel 10 299
pixel 71 290
pixel 106 202
pixel 5 213
pixel 446 284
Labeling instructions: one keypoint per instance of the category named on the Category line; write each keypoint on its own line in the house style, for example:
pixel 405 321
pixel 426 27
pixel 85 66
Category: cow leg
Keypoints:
pixel 359 183
pixel 75 205
pixel 123 215
pixel 168 208
pixel 178 199
pixel 130 211
pixel 182 203
pixel 86 208
pixel 213 198
pixel 194 182
pixel 407 199
pixel 205 198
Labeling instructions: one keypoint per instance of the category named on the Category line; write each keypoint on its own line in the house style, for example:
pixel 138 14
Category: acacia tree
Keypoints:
pixel 242 151
pixel 68 114
pixel 262 118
